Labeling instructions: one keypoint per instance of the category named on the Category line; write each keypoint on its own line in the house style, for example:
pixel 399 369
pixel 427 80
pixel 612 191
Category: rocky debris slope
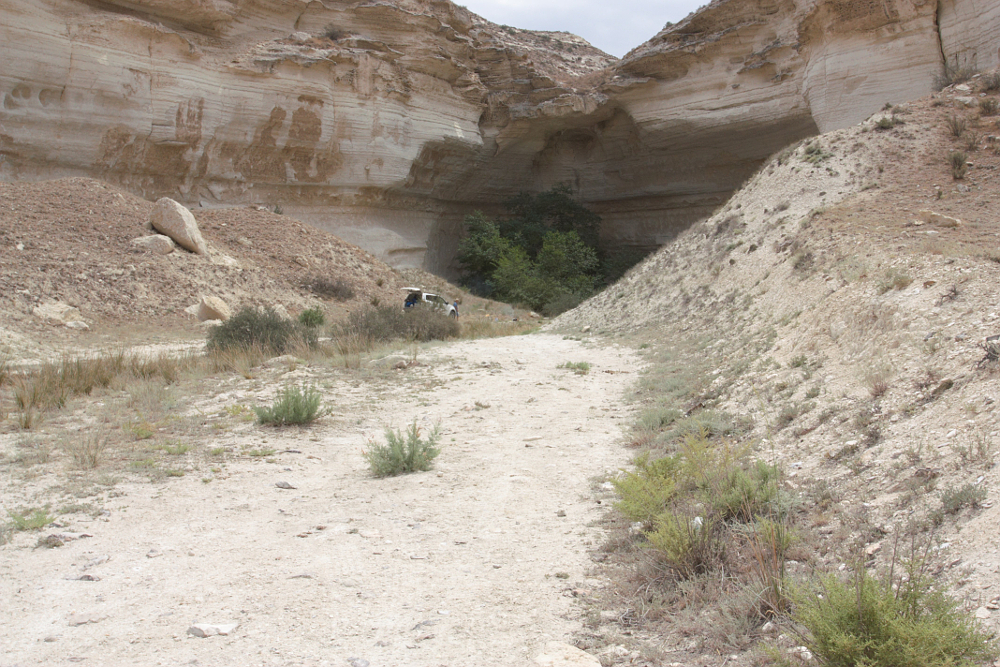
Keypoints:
pixel 71 242
pixel 839 306
pixel 386 122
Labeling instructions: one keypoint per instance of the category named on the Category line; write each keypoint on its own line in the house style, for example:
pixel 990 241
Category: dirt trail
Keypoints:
pixel 472 563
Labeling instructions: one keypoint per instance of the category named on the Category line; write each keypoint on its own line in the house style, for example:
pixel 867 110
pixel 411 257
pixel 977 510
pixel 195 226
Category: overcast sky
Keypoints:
pixel 614 26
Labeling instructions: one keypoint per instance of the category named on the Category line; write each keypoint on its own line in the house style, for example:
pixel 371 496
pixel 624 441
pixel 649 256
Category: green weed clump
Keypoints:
pixel 889 621
pixel 686 502
pixel 265 330
pixel 970 495
pixel 293 405
pixel 312 318
pixel 30 519
pixel 403 453
pixel 578 367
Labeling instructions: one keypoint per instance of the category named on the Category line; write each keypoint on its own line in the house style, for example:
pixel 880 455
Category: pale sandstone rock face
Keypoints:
pixel 386 122
pixel 175 221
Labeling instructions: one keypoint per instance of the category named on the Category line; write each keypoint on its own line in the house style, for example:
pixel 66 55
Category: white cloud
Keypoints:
pixel 615 27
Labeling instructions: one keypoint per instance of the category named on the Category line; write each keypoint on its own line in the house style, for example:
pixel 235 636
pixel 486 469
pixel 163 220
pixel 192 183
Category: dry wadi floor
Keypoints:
pixel 475 562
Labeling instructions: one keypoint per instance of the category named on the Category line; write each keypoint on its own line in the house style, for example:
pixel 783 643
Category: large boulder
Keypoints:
pixel 158 244
pixel 170 218
pixel 213 308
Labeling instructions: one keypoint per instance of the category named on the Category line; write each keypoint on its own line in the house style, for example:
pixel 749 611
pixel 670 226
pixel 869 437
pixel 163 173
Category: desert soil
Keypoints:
pixel 478 561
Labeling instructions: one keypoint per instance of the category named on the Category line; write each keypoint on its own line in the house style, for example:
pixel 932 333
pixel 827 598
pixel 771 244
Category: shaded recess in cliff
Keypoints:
pixel 386 121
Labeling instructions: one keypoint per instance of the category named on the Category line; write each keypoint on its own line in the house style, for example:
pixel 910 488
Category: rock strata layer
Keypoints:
pixel 385 122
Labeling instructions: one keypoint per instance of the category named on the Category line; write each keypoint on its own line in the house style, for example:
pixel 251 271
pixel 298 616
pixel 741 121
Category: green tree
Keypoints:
pixel 480 251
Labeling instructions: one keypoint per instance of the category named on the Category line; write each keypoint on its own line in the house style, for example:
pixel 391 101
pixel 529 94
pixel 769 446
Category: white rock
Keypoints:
pixel 158 244
pixel 170 218
pixel 301 36
pixel 58 312
pixel 213 308
pixel 558 654
pixel 932 218
pixel 982 613
pixel 281 311
pixel 210 629
pixel 79 325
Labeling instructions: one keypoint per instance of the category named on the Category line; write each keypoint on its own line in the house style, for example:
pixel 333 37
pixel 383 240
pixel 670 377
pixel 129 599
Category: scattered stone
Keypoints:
pixel 158 244
pixel 558 654
pixel 154 553
pixel 873 549
pixel 284 485
pixel 50 542
pixel 82 619
pixel 79 326
pixel 801 652
pixel 358 662
pixel 561 513
pixel 281 311
pixel 213 308
pixel 982 613
pixel 303 575
pixel 211 629
pixel 51 638
pixel 170 218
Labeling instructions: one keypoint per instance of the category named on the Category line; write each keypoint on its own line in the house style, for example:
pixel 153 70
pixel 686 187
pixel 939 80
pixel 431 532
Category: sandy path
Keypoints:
pixel 454 567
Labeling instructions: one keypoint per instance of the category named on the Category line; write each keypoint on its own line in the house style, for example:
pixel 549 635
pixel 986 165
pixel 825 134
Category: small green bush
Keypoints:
pixel 30 520
pixel 251 328
pixel 952 74
pixel 648 491
pixel 888 622
pixel 687 545
pixel 799 361
pixel 293 405
pixel 991 81
pixel 578 367
pixel 403 453
pixel 312 318
pixel 970 495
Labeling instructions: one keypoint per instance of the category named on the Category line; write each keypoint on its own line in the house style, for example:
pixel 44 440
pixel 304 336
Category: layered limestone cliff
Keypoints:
pixel 385 121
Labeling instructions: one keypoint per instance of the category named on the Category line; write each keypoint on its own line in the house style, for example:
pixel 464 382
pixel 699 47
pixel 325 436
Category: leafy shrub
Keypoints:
pixel 325 288
pixel 970 495
pixel 403 453
pixel 959 166
pixel 952 74
pixel 312 318
pixel 688 546
pixel 894 279
pixel 363 329
pixel 648 491
pixel 293 405
pixel 957 125
pixel 888 622
pixel 251 328
pixel 30 520
pixel 578 367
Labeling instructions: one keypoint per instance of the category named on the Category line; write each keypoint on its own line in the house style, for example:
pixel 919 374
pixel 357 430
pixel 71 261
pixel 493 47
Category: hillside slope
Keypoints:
pixel 816 314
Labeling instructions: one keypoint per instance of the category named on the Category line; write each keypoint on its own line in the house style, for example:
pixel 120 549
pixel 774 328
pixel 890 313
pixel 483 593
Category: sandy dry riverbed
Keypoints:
pixel 472 563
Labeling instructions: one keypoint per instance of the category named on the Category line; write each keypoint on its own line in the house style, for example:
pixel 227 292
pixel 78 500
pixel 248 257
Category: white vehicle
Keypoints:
pixel 416 296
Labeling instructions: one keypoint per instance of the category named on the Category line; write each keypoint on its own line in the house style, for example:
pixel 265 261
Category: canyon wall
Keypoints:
pixel 385 121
